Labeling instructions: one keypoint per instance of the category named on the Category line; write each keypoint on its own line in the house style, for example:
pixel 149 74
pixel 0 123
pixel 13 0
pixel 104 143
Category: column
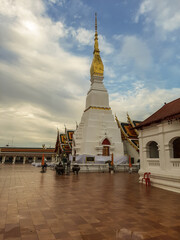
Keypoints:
pixel 14 159
pixel 142 153
pixel 24 159
pixel 34 159
pixel 162 159
pixel 3 159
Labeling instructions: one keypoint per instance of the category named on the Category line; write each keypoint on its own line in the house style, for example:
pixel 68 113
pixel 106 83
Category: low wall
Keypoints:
pixel 105 167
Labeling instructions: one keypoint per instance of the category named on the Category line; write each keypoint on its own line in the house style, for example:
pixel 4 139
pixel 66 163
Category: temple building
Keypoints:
pixel 15 155
pixel 159 141
pixel 129 135
pixel 64 142
pixel 97 133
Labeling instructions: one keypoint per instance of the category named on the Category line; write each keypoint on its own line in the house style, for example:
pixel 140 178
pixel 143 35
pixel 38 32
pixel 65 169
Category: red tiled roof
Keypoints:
pixel 168 111
pixel 9 149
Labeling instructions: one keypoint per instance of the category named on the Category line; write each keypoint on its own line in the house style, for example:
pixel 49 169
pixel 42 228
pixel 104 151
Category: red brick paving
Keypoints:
pixel 92 206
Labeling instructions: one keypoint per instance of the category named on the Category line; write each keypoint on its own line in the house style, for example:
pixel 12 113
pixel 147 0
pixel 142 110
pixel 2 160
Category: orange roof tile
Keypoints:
pixel 9 149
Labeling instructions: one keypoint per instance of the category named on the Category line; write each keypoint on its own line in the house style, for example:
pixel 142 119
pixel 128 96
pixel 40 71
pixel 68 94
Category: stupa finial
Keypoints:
pixel 97 67
pixel 95 22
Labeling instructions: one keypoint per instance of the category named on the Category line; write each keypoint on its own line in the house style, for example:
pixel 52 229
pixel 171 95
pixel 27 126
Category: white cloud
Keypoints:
pixel 83 36
pixel 21 8
pixel 109 71
pixel 59 2
pixel 165 14
pixel 105 46
pixel 86 37
pixel 135 51
pixel 141 102
pixel 118 37
pixel 41 84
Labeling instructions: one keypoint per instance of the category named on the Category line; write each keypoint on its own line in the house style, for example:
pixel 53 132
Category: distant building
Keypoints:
pixel 159 140
pixel 64 142
pixel 14 155
pixel 130 139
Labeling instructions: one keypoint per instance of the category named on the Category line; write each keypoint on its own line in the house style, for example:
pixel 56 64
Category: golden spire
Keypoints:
pixel 97 67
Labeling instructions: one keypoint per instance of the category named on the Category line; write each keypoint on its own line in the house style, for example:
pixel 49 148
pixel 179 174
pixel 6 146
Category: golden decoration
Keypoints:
pixel 125 135
pixel 131 122
pixel 97 67
pixel 97 108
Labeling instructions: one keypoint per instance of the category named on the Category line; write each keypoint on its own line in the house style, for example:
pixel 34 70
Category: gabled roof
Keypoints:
pixel 168 112
pixel 128 132
pixel 64 141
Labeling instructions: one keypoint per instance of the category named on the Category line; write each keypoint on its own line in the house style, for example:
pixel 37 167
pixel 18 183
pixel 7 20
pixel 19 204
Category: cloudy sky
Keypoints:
pixel 46 49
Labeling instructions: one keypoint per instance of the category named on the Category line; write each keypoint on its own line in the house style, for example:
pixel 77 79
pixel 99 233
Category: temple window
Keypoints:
pixel 152 150
pixel 175 148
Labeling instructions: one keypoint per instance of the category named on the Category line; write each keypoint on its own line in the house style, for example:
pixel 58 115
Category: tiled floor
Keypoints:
pixel 93 206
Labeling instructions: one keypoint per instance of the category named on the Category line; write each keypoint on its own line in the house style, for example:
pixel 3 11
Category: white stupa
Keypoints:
pixel 97 133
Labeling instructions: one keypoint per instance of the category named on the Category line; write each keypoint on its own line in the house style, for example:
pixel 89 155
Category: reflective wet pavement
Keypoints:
pixel 44 206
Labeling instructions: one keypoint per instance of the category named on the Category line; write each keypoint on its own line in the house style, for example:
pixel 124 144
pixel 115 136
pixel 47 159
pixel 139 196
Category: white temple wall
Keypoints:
pixel 98 125
pixel 97 98
pixel 165 170
pixel 130 151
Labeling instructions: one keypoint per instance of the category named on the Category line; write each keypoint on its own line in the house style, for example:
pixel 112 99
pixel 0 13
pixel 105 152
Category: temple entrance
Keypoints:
pixel 106 151
pixel 106 148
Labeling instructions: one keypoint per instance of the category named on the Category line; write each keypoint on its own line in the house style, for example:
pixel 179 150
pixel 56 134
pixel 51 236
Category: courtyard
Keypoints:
pixel 90 206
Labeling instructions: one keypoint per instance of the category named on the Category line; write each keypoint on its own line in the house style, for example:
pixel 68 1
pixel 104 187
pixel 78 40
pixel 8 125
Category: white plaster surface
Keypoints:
pixel 165 170
pixel 97 124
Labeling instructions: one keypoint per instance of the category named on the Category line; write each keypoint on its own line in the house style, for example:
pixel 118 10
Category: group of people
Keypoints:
pixel 64 166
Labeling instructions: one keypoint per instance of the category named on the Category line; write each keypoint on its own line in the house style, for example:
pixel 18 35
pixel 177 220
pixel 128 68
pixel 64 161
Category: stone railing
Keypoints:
pixel 175 162
pixel 153 162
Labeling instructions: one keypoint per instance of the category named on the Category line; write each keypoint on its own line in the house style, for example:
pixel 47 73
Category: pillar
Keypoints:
pixel 24 159
pixel 3 159
pixel 14 160
pixel 34 159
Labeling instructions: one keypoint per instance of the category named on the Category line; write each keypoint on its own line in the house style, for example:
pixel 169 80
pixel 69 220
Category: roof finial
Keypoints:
pixel 95 22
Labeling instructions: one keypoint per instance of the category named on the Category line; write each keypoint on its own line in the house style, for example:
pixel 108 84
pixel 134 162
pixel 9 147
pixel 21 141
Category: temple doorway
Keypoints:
pixel 106 148
pixel 106 151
